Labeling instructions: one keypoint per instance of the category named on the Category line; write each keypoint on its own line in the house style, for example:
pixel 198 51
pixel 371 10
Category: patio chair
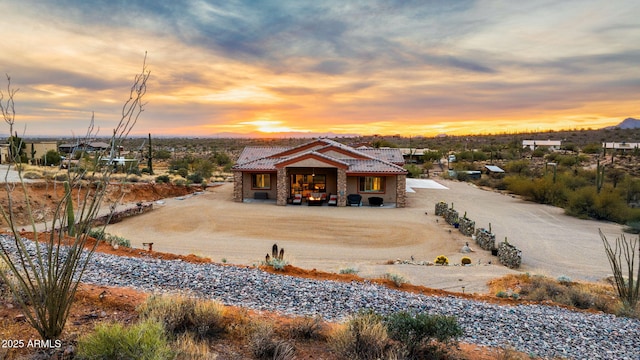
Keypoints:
pixel 354 200
pixel 333 200
pixel 297 199
pixel 375 201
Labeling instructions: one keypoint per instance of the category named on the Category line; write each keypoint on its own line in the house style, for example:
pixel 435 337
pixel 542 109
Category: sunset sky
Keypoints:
pixel 221 68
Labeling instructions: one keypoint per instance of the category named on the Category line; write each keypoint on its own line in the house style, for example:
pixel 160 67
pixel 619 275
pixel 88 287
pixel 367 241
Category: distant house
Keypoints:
pixel 34 151
pixel 413 154
pixel 82 146
pixel 320 167
pixel 494 171
pixel 534 144
pixel 621 145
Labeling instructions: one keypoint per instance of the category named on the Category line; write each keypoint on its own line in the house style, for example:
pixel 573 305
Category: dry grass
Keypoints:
pixel 563 291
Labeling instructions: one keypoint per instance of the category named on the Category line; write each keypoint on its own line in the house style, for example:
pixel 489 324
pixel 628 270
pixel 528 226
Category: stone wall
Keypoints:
pixel 451 217
pixel 401 191
pixel 237 186
pixel 467 226
pixel 121 215
pixel 509 255
pixel 485 239
pixel 282 187
pixel 342 187
pixel 441 208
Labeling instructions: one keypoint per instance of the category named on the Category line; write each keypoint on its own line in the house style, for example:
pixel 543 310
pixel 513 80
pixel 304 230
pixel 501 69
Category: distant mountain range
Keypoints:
pixel 628 123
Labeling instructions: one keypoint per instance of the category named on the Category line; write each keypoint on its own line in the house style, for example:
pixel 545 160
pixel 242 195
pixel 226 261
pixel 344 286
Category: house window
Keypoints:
pixel 372 184
pixel 261 181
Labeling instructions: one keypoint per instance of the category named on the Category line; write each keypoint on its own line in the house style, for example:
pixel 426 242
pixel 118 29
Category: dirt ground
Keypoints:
pixel 332 239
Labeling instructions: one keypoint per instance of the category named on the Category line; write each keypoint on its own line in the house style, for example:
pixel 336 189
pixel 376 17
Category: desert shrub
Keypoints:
pixel 180 182
pixel 133 178
pixel 398 280
pixel 441 260
pixel 61 177
pixel 308 328
pixel 363 336
pixel 416 331
pixel 565 280
pixel 349 271
pixel 184 172
pixel 186 347
pixel 265 345
pixel 118 240
pixel 465 260
pixel 32 175
pixel 414 171
pixel 195 178
pixel 145 340
pixel 181 314
pixel 163 179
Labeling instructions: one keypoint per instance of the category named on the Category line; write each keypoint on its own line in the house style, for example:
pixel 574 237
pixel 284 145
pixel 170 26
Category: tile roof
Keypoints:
pixel 391 155
pixel 373 166
pixel 315 153
pixel 258 164
pixel 265 158
pixel 251 153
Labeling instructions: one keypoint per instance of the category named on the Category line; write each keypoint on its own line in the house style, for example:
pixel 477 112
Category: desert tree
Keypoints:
pixel 622 258
pixel 44 275
pixel 7 107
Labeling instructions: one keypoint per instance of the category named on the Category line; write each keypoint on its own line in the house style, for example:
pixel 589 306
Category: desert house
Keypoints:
pixel 34 150
pixel 549 144
pixel 318 169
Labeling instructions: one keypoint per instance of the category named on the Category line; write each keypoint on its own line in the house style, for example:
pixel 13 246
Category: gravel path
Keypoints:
pixel 544 331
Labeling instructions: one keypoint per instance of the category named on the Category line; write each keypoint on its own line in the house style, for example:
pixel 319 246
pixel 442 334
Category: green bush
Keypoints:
pixel 364 336
pixel 398 280
pixel 195 178
pixel 163 179
pixel 264 344
pixel 181 314
pixel 349 271
pixel 145 340
pixel 415 332
pixel 307 328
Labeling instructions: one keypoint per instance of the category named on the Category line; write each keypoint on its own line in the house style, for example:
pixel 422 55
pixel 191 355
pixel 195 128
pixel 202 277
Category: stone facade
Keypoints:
pixel 342 187
pixel 237 186
pixel 282 187
pixel 401 191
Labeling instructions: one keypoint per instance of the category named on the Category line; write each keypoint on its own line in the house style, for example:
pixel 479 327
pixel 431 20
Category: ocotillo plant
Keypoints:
pixel 47 273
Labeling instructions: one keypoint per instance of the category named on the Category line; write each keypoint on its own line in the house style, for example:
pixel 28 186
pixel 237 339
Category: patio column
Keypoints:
pixel 342 187
pixel 237 186
pixel 282 190
pixel 401 191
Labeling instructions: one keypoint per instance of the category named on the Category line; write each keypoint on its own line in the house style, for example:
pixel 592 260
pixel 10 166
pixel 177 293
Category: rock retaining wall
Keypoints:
pixel 441 208
pixel 485 239
pixel 467 226
pixel 509 255
pixel 121 215
pixel 451 217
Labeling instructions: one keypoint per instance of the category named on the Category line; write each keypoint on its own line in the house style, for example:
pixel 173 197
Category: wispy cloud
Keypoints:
pixel 418 67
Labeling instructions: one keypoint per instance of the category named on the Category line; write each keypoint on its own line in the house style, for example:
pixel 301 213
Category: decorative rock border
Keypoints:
pixel 508 254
